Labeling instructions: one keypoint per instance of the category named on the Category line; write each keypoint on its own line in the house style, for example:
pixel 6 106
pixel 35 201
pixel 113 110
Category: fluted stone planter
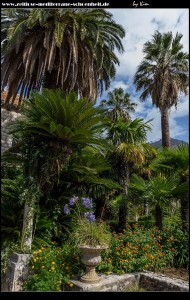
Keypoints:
pixel 91 257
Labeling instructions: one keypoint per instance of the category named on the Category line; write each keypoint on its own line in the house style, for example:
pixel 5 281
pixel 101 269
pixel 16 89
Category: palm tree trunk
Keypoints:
pixel 123 209
pixel 165 127
pixel 158 216
pixel 122 216
pixel 100 211
pixel 50 80
pixel 185 214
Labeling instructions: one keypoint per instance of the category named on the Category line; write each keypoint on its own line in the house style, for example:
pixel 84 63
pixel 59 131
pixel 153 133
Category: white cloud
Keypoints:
pixel 140 25
pixel 117 84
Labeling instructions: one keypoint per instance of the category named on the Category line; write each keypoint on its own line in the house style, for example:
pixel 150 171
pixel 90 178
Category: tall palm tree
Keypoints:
pixel 53 127
pixel 131 150
pixel 163 74
pixel 119 105
pixel 70 49
pixel 176 161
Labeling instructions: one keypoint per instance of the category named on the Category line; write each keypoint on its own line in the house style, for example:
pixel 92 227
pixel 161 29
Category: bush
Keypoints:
pixel 52 267
pixel 174 235
pixel 139 249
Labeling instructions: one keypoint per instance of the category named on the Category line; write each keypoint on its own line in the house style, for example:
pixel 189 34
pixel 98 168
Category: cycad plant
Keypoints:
pixel 52 128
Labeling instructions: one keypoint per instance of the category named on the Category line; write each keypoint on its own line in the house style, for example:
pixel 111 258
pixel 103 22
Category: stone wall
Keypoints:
pixel 6 117
pixel 158 282
pixel 149 281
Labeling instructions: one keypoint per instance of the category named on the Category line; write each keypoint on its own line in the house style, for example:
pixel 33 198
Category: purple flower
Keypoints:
pixel 87 202
pixel 73 200
pixel 89 216
pixel 66 209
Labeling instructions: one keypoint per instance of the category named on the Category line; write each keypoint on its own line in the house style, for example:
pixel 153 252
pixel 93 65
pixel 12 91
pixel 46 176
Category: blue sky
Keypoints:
pixel 140 25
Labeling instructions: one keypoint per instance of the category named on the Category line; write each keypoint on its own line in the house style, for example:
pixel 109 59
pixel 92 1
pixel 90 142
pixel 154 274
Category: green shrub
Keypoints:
pixel 174 235
pixel 52 267
pixel 139 249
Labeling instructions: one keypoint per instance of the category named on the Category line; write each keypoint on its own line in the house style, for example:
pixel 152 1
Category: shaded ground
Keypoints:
pixel 176 273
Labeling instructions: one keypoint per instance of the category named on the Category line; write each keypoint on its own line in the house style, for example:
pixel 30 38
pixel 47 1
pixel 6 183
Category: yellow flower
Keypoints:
pixel 71 284
pixel 53 263
pixel 34 260
pixel 34 252
pixel 43 267
pixel 39 250
pixel 53 268
pixel 32 267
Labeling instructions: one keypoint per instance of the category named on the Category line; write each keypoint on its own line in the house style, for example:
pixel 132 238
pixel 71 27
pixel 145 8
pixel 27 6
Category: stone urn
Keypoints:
pixel 91 257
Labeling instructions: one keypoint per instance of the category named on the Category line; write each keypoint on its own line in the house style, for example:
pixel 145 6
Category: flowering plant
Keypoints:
pixel 87 230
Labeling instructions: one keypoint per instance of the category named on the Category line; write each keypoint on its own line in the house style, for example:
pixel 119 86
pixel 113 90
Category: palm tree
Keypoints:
pixel 53 127
pixel 70 49
pixel 176 161
pixel 163 74
pixel 131 151
pixel 157 190
pixel 118 105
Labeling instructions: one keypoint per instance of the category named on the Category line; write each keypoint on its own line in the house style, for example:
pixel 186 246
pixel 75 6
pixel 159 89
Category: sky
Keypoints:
pixel 140 25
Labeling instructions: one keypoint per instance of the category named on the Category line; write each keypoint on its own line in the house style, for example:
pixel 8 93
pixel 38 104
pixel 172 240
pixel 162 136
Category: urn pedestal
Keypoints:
pixel 91 257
